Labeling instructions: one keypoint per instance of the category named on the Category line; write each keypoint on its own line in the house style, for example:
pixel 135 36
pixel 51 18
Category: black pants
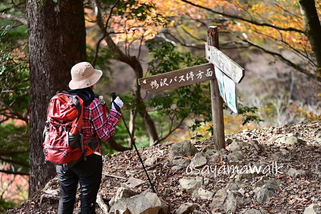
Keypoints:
pixel 88 173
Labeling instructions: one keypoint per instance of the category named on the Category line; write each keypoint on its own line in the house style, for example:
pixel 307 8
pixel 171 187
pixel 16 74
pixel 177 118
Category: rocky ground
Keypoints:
pixel 192 177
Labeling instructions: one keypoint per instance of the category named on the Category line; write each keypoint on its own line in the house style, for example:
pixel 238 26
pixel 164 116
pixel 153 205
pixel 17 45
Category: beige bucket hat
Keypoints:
pixel 83 75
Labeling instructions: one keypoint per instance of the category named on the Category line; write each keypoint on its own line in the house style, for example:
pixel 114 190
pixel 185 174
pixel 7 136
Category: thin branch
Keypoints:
pixel 140 46
pixel 13 112
pixel 117 52
pixel 22 3
pixel 11 153
pixel 99 22
pixel 14 173
pixel 199 47
pixel 10 17
pixel 191 35
pixel 245 20
pixel 170 132
pixel 286 61
pixel 286 44
pixel 14 162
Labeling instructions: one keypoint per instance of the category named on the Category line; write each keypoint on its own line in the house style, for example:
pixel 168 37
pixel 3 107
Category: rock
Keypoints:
pixel 189 184
pixel 236 145
pixel 144 203
pixel 241 191
pixel 133 182
pixel 232 202
pixel 218 199
pixel 318 138
pixel 121 193
pixel 182 149
pixel 197 212
pixel 252 211
pixel 206 181
pixel 232 186
pixel 181 162
pixel 167 191
pixel 295 173
pixel 119 208
pixel 226 200
pixel 235 156
pixel 207 148
pixel 266 191
pixel 317 169
pixel 150 161
pixel 212 156
pixel 186 208
pixel 313 209
pixel 198 161
pixel 202 194
pixel 288 140
pixel 176 168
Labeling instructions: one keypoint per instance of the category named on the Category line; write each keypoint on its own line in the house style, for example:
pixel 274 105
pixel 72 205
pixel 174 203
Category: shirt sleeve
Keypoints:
pixel 104 126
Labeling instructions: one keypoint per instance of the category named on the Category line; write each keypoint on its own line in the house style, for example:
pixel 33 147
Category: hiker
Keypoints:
pixel 95 125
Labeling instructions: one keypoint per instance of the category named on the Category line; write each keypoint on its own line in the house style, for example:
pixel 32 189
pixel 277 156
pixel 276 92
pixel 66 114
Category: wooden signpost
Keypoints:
pixel 222 72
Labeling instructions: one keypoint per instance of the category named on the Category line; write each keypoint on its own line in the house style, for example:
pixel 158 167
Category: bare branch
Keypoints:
pixel 101 25
pixel 14 113
pixel 171 130
pixel 289 46
pixel 13 153
pixel 10 17
pixel 14 173
pixel 10 161
pixel 286 61
pixel 245 20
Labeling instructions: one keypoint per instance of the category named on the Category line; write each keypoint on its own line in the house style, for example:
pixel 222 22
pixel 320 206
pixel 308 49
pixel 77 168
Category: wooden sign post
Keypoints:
pixel 215 71
pixel 217 103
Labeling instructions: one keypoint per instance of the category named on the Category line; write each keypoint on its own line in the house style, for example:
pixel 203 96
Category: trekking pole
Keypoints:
pixel 113 95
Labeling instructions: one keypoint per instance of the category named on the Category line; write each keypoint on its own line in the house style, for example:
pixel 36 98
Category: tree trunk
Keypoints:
pixel 135 64
pixel 141 107
pixel 57 40
pixel 312 27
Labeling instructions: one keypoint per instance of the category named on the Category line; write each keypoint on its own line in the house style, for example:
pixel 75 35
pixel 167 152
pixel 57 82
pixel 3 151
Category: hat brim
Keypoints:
pixel 90 81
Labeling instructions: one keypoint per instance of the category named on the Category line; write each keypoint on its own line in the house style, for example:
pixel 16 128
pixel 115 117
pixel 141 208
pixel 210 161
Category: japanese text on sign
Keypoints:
pixel 224 63
pixel 175 79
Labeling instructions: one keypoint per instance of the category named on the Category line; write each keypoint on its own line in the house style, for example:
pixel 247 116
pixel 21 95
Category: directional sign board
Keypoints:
pixel 227 73
pixel 227 89
pixel 175 79
pixel 224 63
pixel 230 94
pixel 220 80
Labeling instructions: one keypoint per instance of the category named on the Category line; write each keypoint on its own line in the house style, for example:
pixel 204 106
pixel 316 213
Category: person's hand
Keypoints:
pixel 117 104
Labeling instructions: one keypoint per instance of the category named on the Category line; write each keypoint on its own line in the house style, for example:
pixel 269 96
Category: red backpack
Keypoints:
pixel 63 140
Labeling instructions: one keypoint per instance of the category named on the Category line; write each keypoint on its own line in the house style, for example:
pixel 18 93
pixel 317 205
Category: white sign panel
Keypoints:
pixel 230 93
pixel 224 63
pixel 219 76
pixel 227 89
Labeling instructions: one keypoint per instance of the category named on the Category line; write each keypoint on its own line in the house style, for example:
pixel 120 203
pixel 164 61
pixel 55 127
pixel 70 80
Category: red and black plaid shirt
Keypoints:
pixel 96 123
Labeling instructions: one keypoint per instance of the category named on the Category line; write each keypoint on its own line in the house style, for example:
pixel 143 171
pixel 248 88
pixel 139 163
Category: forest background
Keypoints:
pixel 277 42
